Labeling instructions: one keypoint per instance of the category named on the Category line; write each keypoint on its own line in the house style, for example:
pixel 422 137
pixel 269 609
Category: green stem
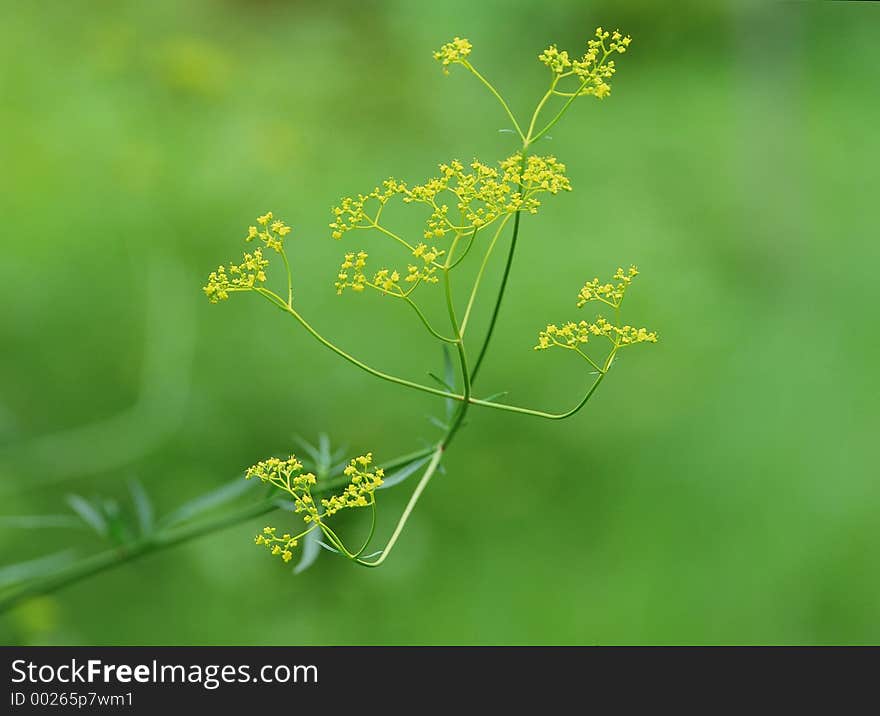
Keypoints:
pixel 289 277
pixel 538 109
pixel 500 297
pixel 275 300
pixel 498 96
pixel 112 558
pixel 466 250
pixel 479 278
pixel 462 360
pixel 170 537
pixel 426 323
pixel 414 498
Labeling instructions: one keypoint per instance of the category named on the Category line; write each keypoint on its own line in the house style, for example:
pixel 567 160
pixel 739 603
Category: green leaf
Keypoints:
pixel 310 450
pixel 118 528
pixel 324 456
pixel 214 498
pixel 436 422
pixel 442 383
pixel 88 513
pixel 328 547
pixel 395 478
pixel 143 507
pixel 495 396
pixel 310 551
pixel 39 522
pixel 23 571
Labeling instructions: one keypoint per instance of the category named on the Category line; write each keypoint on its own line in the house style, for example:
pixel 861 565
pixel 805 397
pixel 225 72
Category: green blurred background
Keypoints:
pixel 722 485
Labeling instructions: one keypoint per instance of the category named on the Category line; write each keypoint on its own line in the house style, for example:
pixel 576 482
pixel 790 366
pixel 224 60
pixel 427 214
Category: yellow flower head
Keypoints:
pixel 573 335
pixel 288 476
pixel 609 293
pixel 245 276
pixel 453 52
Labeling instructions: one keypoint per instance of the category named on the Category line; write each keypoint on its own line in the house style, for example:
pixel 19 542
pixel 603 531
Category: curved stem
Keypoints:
pixel 427 325
pixel 112 558
pixel 289 277
pixel 479 278
pixel 372 529
pixel 276 301
pixel 538 109
pixel 497 307
pixel 462 360
pixel 414 498
pixel 164 539
pixel 392 235
pixel 495 92
pixel 466 250
pixel 541 413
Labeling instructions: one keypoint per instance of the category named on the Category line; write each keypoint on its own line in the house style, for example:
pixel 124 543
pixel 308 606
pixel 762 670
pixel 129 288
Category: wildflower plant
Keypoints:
pixel 467 208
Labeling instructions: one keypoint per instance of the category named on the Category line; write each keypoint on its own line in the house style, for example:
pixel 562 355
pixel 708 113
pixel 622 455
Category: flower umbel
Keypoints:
pixel 250 274
pixel 453 52
pixel 288 476
pixel 608 293
pixel 572 336
pixel 592 69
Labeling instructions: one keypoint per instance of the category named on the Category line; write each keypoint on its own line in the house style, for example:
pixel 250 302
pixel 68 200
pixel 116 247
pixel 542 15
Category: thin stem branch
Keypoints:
pixel 275 300
pixel 500 297
pixel 480 273
pixel 167 538
pixel 414 498
pixel 497 96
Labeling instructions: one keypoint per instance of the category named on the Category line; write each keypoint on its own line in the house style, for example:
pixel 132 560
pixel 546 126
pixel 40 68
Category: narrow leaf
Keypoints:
pixel 309 449
pixel 22 571
pixel 442 383
pixel 328 547
pixel 215 498
pixel 38 522
pixel 372 554
pixel 310 551
pixel 437 422
pixel 495 396
pixel 324 453
pixel 395 478
pixel 118 529
pixel 88 513
pixel 143 506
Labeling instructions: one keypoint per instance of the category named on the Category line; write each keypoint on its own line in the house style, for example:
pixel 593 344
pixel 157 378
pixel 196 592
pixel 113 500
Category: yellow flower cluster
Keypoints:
pixel 610 293
pixel 351 273
pixel 361 488
pixel 539 174
pixel 271 234
pixel 288 476
pixel 351 212
pixel 481 194
pixel 571 335
pixel 250 273
pixel 356 280
pixel 279 546
pixel 453 52
pixel 557 61
pixel 594 67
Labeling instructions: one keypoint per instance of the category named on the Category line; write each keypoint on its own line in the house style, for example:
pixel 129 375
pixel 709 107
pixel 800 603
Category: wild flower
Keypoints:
pixel 467 209
pixel 464 209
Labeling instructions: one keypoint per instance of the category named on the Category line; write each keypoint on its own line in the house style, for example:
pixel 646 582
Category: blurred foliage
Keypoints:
pixel 716 490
